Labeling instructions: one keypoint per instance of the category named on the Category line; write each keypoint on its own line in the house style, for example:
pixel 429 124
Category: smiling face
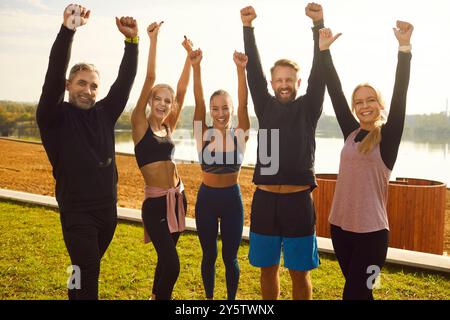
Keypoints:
pixel 221 109
pixel 82 88
pixel 161 102
pixel 285 83
pixel 367 106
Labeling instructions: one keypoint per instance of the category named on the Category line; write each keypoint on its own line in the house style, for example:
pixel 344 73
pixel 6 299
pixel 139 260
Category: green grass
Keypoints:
pixel 33 263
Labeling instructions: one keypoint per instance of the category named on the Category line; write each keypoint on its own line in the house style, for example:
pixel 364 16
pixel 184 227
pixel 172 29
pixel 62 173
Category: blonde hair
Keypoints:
pixel 285 63
pixel 374 136
pixel 157 87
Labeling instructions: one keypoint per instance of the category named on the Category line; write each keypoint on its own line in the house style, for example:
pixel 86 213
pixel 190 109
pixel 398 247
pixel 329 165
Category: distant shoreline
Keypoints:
pixel 24 166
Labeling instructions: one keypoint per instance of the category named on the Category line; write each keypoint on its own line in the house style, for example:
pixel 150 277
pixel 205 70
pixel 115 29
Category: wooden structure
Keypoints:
pixel 416 212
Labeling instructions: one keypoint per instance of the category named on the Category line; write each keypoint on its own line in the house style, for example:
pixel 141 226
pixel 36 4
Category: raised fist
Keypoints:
pixel 248 14
pixel 403 32
pixel 153 29
pixel 127 26
pixel 195 56
pixel 326 38
pixel 75 16
pixel 314 11
pixel 240 59
pixel 187 44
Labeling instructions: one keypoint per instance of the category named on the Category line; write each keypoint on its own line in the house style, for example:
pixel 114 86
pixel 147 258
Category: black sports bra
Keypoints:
pixel 153 148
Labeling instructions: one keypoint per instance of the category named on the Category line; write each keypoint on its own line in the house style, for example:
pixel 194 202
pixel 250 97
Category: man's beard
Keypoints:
pixel 284 98
pixel 76 101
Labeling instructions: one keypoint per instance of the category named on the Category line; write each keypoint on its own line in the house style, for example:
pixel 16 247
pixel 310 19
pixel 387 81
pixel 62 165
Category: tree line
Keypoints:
pixel 19 119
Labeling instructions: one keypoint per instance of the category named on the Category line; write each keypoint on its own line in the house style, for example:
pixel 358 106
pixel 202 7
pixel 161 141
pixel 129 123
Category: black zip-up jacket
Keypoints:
pixel 296 120
pixel 80 143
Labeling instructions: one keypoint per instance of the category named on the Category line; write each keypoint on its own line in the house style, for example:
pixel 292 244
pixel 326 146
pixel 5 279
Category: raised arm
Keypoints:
pixel 344 116
pixel 199 121
pixel 393 130
pixel 257 81
pixel 138 117
pixel 182 85
pixel 315 91
pixel 117 97
pixel 47 113
pixel 241 60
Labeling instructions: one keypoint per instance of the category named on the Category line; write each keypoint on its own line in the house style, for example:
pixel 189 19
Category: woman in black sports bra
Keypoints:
pixel 221 151
pixel 164 207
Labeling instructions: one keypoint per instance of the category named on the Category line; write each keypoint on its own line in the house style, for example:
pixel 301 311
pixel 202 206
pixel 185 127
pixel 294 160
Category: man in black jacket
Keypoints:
pixel 78 137
pixel 282 214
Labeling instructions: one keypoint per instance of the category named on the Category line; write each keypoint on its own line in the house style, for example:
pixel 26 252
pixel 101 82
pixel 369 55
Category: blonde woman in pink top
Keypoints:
pixel 358 218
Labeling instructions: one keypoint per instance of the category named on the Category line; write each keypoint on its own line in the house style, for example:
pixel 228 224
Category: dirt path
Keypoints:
pixel 25 167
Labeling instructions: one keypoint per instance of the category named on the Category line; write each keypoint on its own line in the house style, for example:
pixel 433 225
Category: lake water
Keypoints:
pixel 415 160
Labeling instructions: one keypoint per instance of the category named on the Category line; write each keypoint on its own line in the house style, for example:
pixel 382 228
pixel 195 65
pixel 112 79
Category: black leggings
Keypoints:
pixel 356 253
pixel 87 235
pixel 154 217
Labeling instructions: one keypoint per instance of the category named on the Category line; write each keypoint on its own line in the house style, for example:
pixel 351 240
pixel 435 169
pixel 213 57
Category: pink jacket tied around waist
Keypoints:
pixel 175 225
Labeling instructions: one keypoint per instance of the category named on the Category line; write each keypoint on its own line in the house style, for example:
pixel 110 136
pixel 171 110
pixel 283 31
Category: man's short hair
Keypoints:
pixel 82 67
pixel 285 63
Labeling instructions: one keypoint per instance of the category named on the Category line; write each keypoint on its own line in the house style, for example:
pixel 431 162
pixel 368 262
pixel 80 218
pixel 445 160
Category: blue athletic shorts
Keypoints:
pixel 283 222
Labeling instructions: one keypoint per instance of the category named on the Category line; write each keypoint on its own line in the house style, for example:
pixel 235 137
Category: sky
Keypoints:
pixel 367 51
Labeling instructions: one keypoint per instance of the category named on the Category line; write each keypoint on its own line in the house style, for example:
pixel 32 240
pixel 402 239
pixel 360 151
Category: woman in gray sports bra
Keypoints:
pixel 221 150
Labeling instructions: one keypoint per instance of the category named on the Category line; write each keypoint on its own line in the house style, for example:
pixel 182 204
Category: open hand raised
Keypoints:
pixel 326 38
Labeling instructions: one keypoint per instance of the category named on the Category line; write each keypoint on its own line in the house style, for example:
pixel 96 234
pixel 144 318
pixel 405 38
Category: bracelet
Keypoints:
pixel 132 40
pixel 406 48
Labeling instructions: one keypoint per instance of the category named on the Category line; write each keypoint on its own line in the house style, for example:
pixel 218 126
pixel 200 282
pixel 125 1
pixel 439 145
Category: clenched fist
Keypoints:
pixel 75 16
pixel 248 14
pixel 314 11
pixel 153 29
pixel 403 32
pixel 195 57
pixel 240 59
pixel 127 26
pixel 187 44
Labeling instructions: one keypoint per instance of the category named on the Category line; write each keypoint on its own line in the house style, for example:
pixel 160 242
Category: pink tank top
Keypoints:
pixel 360 198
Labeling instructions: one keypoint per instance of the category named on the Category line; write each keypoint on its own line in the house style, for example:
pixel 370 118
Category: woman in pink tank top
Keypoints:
pixel 358 217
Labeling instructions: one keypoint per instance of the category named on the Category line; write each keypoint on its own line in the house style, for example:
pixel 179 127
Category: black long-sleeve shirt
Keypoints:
pixel 80 143
pixel 296 121
pixel 391 132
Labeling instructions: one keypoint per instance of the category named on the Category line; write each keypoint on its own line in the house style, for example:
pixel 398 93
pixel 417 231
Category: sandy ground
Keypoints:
pixel 25 167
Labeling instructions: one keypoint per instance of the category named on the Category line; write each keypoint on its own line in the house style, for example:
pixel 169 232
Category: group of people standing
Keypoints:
pixel 78 137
